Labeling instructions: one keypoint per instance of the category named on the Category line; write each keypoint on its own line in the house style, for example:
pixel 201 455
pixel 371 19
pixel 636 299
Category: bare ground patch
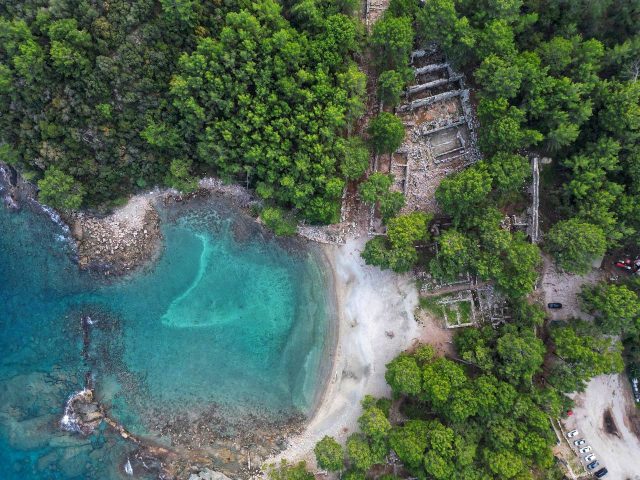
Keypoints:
pixel 564 288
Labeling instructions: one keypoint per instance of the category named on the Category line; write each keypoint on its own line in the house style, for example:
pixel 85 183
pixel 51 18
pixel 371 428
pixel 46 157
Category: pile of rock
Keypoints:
pixel 120 242
pixel 208 474
pixel 241 196
pixel 338 233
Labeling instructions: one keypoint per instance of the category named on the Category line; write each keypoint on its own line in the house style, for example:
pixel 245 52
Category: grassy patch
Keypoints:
pixel 465 311
pixel 454 312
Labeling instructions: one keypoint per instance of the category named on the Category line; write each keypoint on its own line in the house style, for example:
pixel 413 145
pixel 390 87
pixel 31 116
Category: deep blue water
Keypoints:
pixel 227 317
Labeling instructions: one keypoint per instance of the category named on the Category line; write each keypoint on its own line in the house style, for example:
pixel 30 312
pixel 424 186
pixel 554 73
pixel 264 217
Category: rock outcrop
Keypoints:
pixel 81 413
pixel 8 187
pixel 208 474
pixel 120 242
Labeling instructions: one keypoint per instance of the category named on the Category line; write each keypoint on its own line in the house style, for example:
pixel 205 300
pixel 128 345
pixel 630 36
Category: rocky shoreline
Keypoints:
pixel 120 242
pixel 130 237
pixel 126 239
pixel 14 190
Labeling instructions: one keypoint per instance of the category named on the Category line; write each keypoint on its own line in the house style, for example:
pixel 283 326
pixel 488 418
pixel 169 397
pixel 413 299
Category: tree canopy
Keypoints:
pixel 616 307
pixel 387 132
pixel 60 190
pixel 397 250
pixel 582 354
pixel 127 95
pixel 576 244
pixel 461 425
pixel 329 454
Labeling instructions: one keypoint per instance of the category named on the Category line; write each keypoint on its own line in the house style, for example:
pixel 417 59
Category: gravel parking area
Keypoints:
pixel 607 418
pixel 562 287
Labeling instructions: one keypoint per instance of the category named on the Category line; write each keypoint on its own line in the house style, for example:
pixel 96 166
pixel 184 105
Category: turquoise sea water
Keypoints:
pixel 228 320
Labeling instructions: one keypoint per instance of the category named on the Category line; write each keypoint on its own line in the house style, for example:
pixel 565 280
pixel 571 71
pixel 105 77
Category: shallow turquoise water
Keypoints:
pixel 227 318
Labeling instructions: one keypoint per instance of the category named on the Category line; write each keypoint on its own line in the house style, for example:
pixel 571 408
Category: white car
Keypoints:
pixel 586 449
pixel 577 443
pixel 572 433
pixel 590 458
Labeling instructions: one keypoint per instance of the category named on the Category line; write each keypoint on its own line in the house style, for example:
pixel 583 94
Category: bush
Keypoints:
pixel 374 187
pixel 356 158
pixel 179 176
pixel 390 204
pixel 276 221
pixel 390 87
pixel 329 454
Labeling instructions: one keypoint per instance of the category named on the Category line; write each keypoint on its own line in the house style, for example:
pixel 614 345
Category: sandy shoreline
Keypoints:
pixel 375 323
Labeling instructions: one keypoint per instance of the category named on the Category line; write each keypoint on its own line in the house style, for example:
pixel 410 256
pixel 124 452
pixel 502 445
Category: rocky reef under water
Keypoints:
pixel 206 443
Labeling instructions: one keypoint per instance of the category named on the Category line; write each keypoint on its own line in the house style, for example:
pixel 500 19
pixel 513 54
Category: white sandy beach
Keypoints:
pixel 376 322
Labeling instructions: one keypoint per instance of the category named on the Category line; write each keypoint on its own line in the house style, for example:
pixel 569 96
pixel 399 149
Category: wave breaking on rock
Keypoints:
pixel 81 414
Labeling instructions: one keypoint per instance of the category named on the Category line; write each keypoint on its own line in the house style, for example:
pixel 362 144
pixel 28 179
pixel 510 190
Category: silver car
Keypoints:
pixel 586 449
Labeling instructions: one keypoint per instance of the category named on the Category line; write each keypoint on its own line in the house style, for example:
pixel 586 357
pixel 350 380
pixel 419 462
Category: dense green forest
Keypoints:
pixel 100 98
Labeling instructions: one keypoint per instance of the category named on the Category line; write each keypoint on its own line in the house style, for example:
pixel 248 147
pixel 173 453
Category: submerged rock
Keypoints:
pixel 128 469
pixel 8 175
pixel 10 202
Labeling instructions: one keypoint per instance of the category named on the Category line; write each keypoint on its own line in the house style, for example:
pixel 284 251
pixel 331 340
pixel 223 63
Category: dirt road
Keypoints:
pixel 601 415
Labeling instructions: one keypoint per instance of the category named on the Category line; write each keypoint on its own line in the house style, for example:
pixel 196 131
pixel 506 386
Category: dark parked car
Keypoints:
pixel 554 305
pixel 601 473
pixel 593 465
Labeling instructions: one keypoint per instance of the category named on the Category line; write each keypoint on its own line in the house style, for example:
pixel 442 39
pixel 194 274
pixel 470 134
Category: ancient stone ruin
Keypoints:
pixel 441 131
